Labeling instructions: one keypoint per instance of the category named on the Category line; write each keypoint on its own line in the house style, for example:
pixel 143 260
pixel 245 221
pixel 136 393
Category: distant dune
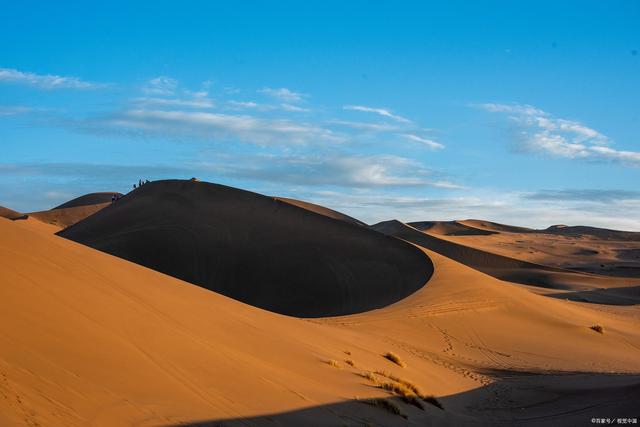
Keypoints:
pixel 90 339
pixel 9 213
pixel 89 199
pixel 64 217
pixel 450 228
pixel 499 266
pixel 256 249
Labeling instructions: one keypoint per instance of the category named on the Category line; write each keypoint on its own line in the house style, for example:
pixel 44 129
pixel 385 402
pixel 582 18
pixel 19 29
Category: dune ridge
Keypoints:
pixel 257 249
pixel 500 266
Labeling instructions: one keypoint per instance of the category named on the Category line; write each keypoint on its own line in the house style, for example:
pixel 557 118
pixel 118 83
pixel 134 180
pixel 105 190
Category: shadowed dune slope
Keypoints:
pixel 88 199
pixel 494 226
pixel 256 249
pixel 321 210
pixel 10 213
pixel 88 339
pixel 450 228
pixel 499 266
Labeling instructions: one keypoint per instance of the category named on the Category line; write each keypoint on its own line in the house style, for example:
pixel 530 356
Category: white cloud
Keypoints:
pixel 375 127
pixel 161 86
pixel 14 110
pixel 380 111
pixel 339 170
pixel 428 142
pixel 48 81
pixel 294 108
pixel 176 102
pixel 244 104
pixel 541 132
pixel 283 94
pixel 216 125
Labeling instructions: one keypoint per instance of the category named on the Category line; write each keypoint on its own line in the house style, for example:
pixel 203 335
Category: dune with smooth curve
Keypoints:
pixel 546 278
pixel 256 249
pixel 10 213
pixel 91 339
pixel 321 210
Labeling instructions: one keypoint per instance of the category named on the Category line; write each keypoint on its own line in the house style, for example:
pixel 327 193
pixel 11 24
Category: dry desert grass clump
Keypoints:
pixel 387 405
pixel 406 386
pixel 394 358
pixel 411 386
pixel 435 402
pixel 333 363
pixel 371 377
pixel 598 328
pixel 404 392
pixel 350 362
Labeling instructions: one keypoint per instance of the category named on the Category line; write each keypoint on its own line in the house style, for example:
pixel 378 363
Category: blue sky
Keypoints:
pixel 519 112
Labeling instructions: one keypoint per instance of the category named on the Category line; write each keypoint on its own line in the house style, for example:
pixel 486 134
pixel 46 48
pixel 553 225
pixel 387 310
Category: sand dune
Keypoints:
pixel 600 251
pixel 256 249
pixel 90 339
pixel 321 210
pixel 494 226
pixel 500 266
pixel 89 199
pixel 9 213
pixel 450 228
pixel 64 217
pixel 74 210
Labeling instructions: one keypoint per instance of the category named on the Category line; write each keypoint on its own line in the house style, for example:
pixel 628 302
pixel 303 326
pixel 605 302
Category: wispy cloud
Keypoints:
pixel 428 142
pixel 583 195
pixel 333 170
pixel 294 108
pixel 380 111
pixel 175 102
pixel 14 110
pixel 45 81
pixel 539 131
pixel 371 127
pixel 160 86
pixel 214 126
pixel 283 94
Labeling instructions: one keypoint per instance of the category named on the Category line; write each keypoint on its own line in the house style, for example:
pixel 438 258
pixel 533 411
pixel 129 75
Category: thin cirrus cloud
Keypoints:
pixel 540 131
pixel 215 125
pixel 380 111
pixel 428 142
pixel 45 81
pixel 175 102
pixel 333 170
pixel 161 86
pixel 283 94
pixel 14 110
pixel 584 195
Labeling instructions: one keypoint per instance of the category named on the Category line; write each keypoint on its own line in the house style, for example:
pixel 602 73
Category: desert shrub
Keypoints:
pixel 598 328
pixel 371 377
pixel 405 393
pixel 435 402
pixel 394 358
pixel 333 363
pixel 349 362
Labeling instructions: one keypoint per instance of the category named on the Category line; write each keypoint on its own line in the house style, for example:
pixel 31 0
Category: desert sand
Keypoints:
pixel 494 336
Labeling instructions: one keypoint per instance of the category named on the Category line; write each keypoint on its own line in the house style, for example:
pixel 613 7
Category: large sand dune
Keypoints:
pixel 500 266
pixel 257 249
pixel 89 339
